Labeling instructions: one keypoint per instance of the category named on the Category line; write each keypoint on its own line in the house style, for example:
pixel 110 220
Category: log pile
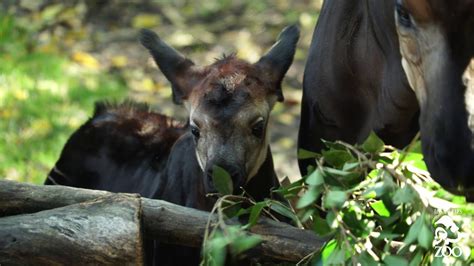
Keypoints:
pixel 57 224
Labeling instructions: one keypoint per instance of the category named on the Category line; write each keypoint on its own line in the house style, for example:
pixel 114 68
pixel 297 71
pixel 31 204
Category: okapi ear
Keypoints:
pixel 180 71
pixel 280 56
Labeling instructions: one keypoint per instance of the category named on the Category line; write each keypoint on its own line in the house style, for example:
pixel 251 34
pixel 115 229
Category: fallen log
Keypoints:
pixel 161 220
pixel 102 231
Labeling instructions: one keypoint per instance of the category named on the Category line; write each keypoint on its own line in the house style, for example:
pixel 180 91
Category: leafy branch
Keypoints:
pixel 378 205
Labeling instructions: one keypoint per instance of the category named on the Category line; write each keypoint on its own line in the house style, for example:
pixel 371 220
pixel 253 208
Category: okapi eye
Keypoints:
pixel 258 128
pixel 195 131
pixel 404 17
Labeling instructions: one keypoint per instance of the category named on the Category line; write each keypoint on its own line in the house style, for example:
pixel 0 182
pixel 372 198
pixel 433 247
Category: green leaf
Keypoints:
pixel 291 190
pixel 309 197
pixel 282 209
pixel 395 261
pixel 340 176
pixel 315 178
pixel 244 243
pixel 305 154
pixel 328 249
pixel 352 220
pixel 375 191
pixel 337 172
pixel 417 147
pixel 438 261
pixel 374 173
pixel 380 208
pixel 415 228
pixel 425 237
pixel 331 220
pixel 231 210
pixel 415 159
pixel 356 208
pixel 310 168
pixel 416 260
pixel 369 194
pixel 388 235
pixel 373 144
pixel 306 214
pixel 350 166
pixel 222 180
pixel 242 212
pixel 216 250
pixel 460 200
pixel 404 195
pixel 255 213
pixel 337 257
pixel 333 145
pixel 321 227
pixel 337 158
pixel 335 199
pixel 366 260
pixel 387 159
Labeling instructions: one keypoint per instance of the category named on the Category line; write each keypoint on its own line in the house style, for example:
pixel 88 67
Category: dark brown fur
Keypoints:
pixel 354 82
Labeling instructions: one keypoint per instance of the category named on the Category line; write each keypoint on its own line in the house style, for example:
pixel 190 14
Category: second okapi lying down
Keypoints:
pixel 128 148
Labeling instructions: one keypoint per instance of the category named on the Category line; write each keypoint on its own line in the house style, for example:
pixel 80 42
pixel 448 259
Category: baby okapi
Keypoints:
pixel 127 148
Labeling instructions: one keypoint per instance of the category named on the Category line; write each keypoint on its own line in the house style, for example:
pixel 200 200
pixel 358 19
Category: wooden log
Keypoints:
pixel 20 198
pixel 185 226
pixel 167 222
pixel 102 231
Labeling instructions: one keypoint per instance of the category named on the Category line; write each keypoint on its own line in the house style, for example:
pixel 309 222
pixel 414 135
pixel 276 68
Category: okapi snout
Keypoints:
pixel 237 174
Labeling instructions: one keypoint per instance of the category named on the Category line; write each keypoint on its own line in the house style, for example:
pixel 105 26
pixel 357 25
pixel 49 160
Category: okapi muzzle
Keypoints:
pixel 437 47
pixel 229 103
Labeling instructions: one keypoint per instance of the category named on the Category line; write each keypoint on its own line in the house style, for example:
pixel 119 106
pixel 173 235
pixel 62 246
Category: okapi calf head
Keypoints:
pixel 228 102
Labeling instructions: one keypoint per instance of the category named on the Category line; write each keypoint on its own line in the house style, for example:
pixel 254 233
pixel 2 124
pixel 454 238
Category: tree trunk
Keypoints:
pixel 161 220
pixel 102 231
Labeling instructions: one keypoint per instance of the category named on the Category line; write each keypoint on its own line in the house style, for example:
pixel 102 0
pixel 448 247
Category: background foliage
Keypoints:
pixel 377 204
pixel 58 57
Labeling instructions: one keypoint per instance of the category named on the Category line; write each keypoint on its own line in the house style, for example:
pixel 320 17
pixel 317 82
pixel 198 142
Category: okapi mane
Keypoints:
pixel 226 89
pixel 225 58
pixel 128 106
pixel 132 128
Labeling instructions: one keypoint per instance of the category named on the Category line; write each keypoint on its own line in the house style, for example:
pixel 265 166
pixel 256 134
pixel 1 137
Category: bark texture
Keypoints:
pixel 161 220
pixel 102 231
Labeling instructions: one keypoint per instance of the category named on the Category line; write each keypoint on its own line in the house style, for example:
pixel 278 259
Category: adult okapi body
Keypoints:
pixel 355 81
pixel 128 148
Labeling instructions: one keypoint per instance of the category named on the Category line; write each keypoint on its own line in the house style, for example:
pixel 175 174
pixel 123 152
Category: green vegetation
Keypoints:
pixel 58 57
pixel 377 204
pixel 44 97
